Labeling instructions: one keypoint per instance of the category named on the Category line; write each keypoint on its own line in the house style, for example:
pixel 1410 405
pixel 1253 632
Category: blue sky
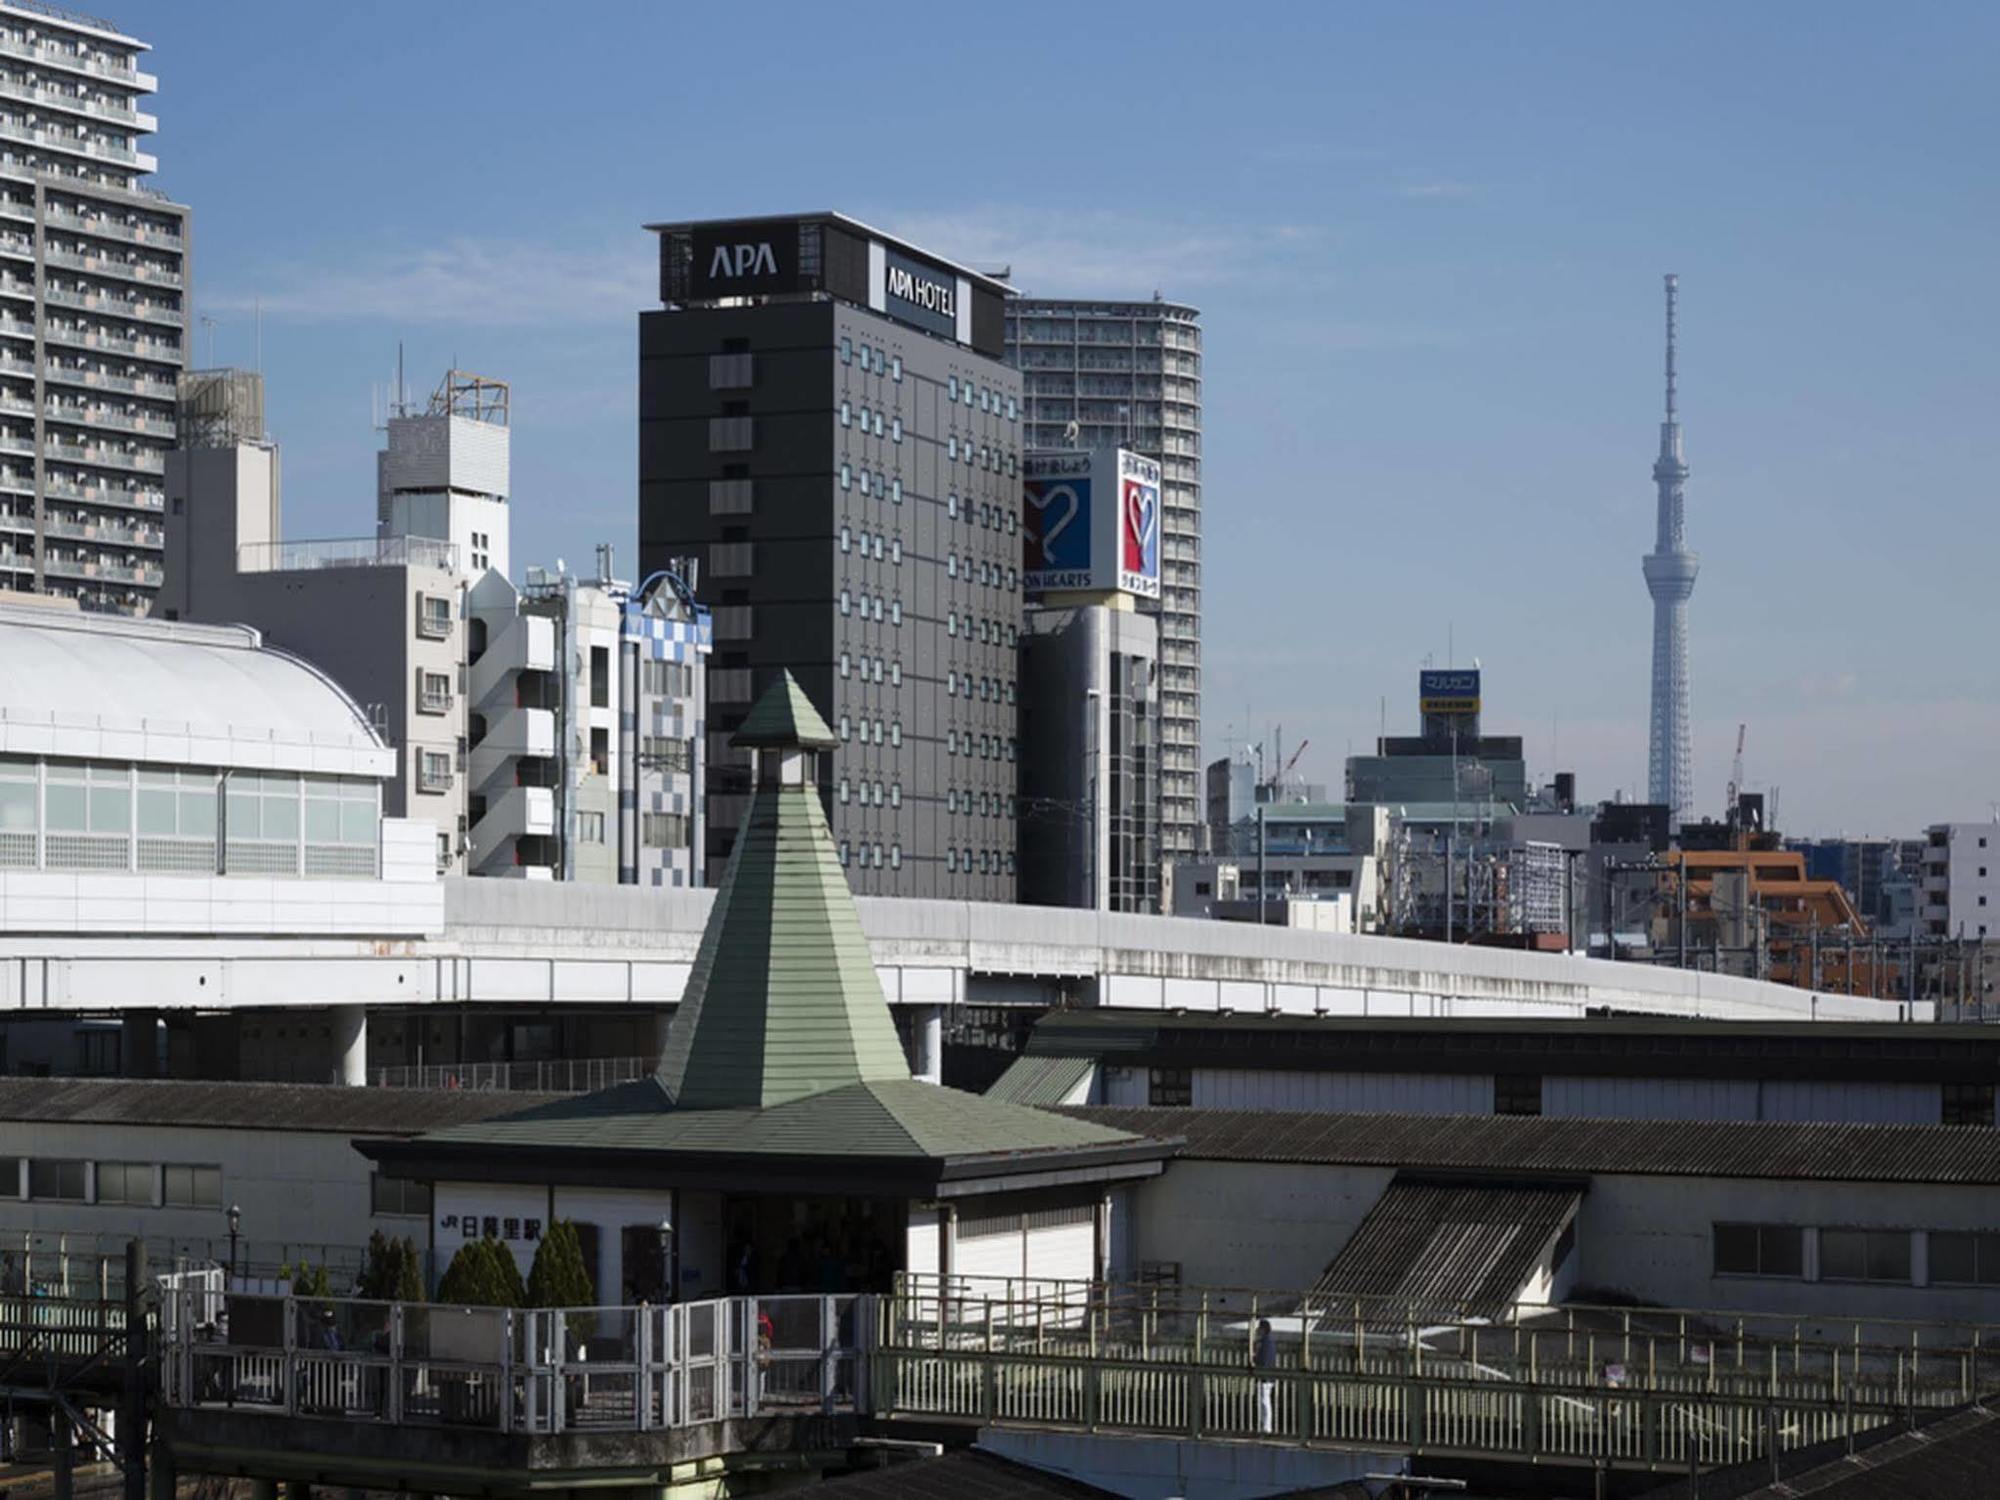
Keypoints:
pixel 1427 244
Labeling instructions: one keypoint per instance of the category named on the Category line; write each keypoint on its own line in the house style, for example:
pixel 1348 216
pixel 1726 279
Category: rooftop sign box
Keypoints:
pixel 1091 522
pixel 1449 692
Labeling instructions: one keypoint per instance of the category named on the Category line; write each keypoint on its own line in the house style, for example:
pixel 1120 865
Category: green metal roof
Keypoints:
pixel 1041 1080
pixel 783 1044
pixel 903 1119
pixel 784 716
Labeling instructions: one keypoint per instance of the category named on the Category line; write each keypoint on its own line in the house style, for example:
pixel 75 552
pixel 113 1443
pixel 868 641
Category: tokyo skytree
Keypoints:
pixel 1670 571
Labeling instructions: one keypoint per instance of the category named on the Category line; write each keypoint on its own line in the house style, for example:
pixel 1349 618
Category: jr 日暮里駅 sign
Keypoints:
pixel 1091 523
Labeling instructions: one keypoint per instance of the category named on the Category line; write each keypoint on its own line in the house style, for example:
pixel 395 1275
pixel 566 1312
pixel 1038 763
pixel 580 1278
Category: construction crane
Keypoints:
pixel 1277 778
pixel 1735 774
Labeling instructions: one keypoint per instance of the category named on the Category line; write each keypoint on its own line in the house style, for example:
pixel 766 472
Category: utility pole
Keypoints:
pixel 1681 880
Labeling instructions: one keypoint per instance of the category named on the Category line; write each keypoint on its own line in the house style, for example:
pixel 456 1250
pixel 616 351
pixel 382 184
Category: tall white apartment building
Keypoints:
pixel 93 313
pixel 1128 374
pixel 1961 881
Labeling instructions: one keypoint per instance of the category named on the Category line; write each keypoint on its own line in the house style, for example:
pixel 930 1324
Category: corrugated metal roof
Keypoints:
pixel 784 716
pixel 1962 1154
pixel 965 1475
pixel 252 1106
pixel 1459 1246
pixel 1954 1458
pixel 1041 1080
pixel 902 1119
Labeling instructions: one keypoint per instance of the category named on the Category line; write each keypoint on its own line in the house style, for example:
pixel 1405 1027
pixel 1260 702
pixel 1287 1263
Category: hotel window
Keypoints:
pixel 895 737
pixel 896 491
pixel 1967 1104
pixel 864 481
pixel 846 476
pixel 951 859
pixel 951 388
pixel 895 856
pixel 951 447
pixel 842 791
pixel 1760 1250
pixel 846 415
pixel 845 855
pixel 896 794
pixel 1170 1088
pixel 896 551
pixel 846 539
pixel 896 667
pixel 846 662
pixel 1964 1258
pixel 1864 1255
pixel 896 367
pixel 951 506
pixel 847 351
pixel 846 727
pixel 1517 1094
pixel 846 602
pixel 896 429
pixel 878 426
pixel 965 393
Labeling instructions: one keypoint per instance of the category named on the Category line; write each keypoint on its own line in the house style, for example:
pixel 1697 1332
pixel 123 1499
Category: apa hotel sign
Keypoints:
pixel 757 258
pixel 921 295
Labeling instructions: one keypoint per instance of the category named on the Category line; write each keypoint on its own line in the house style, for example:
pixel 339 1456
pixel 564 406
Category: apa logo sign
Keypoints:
pixel 1056 538
pixel 732 261
pixel 1139 529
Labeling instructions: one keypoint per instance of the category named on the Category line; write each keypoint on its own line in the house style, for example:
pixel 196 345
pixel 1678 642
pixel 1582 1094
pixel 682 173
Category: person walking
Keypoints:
pixel 1264 1360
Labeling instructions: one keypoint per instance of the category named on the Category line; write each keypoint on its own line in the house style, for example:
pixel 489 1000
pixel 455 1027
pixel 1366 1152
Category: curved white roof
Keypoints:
pixel 99 687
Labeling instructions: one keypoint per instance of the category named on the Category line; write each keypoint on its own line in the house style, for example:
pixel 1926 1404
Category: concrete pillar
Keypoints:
pixel 927 1022
pixel 350 1045
pixel 662 1020
pixel 139 1043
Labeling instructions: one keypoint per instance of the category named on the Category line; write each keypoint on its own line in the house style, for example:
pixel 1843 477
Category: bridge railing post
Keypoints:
pixel 393 1402
pixel 291 1372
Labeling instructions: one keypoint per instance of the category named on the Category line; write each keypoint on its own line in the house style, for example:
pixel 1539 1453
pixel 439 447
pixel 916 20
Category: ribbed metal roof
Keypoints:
pixel 251 1106
pixel 1958 1154
pixel 967 1474
pixel 1041 1080
pixel 1463 1246
pixel 1954 1458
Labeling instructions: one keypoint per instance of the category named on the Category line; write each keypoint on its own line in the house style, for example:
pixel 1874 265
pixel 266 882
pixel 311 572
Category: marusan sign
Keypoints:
pixel 745 260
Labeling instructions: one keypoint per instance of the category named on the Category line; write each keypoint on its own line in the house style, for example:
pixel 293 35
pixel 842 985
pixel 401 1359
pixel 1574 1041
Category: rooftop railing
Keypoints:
pixel 550 1075
pixel 346 552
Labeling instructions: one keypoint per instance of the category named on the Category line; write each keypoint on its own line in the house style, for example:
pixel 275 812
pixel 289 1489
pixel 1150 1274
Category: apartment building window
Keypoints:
pixel 1171 1088
pixel 394 1197
pixel 190 1187
pixel 433 692
pixel 129 1182
pixel 1966 1104
pixel 1760 1250
pixel 434 771
pixel 1964 1258
pixel 664 830
pixel 1517 1094
pixel 1864 1255
pixel 433 616
pixel 600 676
pixel 590 827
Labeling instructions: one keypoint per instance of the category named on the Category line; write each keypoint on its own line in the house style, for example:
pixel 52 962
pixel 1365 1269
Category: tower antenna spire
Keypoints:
pixel 1670 570
pixel 1673 299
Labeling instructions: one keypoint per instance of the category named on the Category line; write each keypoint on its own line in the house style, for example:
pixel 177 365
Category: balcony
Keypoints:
pixel 102 570
pixel 110 343
pixel 75 143
pixel 108 458
pixel 108 420
pixel 98 265
pixel 118 111
pixel 348 552
pixel 94 380
pixel 58 489
pixel 107 533
pixel 110 229
pixel 106 305
pixel 76 60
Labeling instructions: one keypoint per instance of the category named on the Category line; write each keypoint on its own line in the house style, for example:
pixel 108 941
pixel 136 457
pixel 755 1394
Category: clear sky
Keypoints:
pixel 1426 241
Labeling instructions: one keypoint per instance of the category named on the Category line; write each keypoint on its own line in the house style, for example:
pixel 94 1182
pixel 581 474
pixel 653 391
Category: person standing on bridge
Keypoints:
pixel 1264 1360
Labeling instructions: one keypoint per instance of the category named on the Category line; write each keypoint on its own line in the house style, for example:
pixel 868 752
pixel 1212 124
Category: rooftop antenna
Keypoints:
pixel 259 305
pixel 208 326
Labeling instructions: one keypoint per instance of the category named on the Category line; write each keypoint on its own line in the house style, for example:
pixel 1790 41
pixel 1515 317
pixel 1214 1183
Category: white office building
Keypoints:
pixel 1128 374
pixel 93 313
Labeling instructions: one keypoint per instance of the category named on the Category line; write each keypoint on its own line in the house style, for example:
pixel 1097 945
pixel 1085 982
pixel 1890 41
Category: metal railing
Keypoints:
pixel 346 552
pixel 535 1370
pixel 572 1075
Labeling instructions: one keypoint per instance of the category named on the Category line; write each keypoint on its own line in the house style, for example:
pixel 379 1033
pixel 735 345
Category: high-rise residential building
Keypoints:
pixel 828 430
pixel 93 313
pixel 1128 374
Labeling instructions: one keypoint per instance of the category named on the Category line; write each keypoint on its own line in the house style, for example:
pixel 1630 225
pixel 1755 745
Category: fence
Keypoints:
pixel 554 1075
pixel 605 1369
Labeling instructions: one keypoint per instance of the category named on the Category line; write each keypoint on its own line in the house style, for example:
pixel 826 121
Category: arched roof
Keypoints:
pixel 104 687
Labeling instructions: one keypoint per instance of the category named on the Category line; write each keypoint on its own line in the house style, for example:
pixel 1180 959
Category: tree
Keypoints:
pixel 482 1274
pixel 391 1273
pixel 558 1278
pixel 307 1280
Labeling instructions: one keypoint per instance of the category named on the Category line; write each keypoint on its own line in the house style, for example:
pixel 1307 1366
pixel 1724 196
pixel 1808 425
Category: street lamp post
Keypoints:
pixel 666 1259
pixel 235 1228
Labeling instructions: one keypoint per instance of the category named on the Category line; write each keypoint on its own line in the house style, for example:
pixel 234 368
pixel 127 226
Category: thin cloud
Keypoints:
pixel 1053 251
pixel 1438 189
pixel 489 282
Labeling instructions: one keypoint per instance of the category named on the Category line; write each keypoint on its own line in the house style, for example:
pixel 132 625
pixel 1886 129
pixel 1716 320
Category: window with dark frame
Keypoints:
pixel 1864 1255
pixel 1966 1104
pixel 1517 1094
pixel 1760 1250
pixel 1964 1258
pixel 1171 1088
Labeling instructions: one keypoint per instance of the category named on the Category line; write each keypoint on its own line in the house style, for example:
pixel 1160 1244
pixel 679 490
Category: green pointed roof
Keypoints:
pixel 784 717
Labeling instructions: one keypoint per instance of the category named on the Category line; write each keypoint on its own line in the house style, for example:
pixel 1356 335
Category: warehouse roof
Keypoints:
pixel 250 1106
pixel 1963 1155
pixel 1610 1046
pixel 1041 1080
pixel 1953 1458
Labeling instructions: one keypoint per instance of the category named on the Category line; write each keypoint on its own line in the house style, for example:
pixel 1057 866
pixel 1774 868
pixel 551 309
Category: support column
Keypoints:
pixel 139 1043
pixel 350 1045
pixel 927 1022
pixel 662 1020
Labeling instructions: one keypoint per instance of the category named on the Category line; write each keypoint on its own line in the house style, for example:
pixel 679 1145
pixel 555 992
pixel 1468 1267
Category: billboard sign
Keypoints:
pixel 1449 692
pixel 759 258
pixel 919 295
pixel 1091 523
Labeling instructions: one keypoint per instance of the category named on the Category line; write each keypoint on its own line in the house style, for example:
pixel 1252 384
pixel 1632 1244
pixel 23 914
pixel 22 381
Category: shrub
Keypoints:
pixel 391 1273
pixel 558 1277
pixel 307 1281
pixel 482 1274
